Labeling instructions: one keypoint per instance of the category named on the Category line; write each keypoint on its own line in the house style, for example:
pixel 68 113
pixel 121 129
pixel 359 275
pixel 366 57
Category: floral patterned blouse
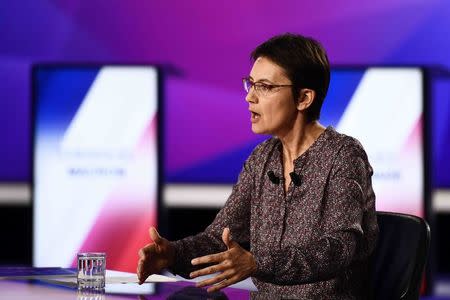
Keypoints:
pixel 311 242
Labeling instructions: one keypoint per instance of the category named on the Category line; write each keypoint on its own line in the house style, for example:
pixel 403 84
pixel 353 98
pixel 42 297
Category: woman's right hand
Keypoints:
pixel 154 257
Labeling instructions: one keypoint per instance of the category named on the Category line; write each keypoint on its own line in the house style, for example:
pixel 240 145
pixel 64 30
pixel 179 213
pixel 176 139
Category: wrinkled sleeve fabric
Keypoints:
pixel 348 195
pixel 235 215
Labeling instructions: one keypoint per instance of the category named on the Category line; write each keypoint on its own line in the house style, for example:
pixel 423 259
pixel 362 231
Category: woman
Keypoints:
pixel 303 201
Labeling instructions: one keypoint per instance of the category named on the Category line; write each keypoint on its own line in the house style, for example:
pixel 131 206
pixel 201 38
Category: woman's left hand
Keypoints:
pixel 234 265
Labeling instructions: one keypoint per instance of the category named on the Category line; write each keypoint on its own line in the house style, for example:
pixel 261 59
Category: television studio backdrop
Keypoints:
pixel 118 118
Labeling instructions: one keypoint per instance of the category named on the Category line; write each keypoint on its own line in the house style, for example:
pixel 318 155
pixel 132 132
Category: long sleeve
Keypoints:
pixel 348 197
pixel 235 214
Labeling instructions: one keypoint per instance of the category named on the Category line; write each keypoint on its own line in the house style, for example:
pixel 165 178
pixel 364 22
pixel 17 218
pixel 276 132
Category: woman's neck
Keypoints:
pixel 298 140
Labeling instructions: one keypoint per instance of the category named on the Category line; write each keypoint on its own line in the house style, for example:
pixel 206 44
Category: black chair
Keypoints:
pixel 399 259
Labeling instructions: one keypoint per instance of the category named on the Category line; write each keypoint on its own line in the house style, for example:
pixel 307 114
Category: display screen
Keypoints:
pixel 95 164
pixel 382 107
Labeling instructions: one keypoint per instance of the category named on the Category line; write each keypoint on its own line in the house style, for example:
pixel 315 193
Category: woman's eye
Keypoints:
pixel 265 87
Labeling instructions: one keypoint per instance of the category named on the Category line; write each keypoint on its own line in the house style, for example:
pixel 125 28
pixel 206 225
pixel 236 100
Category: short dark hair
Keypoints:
pixel 305 62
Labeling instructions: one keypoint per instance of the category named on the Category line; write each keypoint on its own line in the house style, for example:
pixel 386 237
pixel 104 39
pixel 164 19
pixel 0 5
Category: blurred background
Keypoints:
pixel 201 49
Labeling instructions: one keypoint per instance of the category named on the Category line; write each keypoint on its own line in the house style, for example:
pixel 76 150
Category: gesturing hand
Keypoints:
pixel 154 256
pixel 234 265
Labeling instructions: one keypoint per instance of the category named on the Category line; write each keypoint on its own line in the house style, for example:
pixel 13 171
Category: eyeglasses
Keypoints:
pixel 262 89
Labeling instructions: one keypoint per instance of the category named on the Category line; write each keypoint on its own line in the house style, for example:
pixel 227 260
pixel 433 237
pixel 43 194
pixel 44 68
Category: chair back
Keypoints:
pixel 399 259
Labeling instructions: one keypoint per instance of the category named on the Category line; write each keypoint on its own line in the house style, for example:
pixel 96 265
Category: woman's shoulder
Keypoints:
pixel 261 154
pixel 265 147
pixel 346 149
pixel 343 142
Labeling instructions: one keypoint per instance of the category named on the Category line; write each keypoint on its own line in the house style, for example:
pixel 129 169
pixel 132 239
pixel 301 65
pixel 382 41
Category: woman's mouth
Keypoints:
pixel 255 117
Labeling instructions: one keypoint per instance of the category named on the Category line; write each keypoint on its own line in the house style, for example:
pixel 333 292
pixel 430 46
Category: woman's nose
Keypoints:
pixel 251 97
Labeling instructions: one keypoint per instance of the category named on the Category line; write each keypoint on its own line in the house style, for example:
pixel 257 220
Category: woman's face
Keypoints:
pixel 273 112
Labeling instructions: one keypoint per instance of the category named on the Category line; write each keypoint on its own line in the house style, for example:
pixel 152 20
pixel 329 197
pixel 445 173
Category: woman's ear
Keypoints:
pixel 305 99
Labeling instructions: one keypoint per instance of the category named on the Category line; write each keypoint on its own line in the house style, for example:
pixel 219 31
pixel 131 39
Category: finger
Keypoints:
pixel 226 237
pixel 140 267
pixel 208 270
pixel 141 253
pixel 140 272
pixel 222 284
pixel 144 251
pixel 154 235
pixel 216 279
pixel 218 257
